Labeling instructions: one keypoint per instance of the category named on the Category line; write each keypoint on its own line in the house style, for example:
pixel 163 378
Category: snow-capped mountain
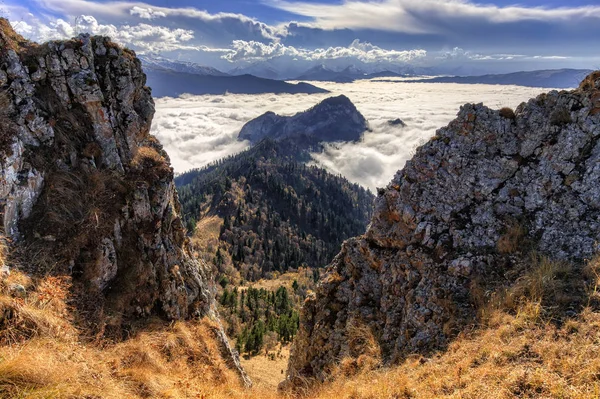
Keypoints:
pixel 156 62
pixel 322 73
pixel 260 70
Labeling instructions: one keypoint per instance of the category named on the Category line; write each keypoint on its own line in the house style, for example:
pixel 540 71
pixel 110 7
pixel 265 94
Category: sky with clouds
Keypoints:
pixel 459 35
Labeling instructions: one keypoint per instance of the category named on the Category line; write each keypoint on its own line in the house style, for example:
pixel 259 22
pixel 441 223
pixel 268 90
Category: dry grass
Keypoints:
pixel 206 235
pixel 41 355
pixel 510 358
pixel 267 371
pixel 148 163
pixel 589 82
pixel 516 351
pixel 303 276
pixel 512 239
pixel 95 199
pixel 560 116
pixel 544 292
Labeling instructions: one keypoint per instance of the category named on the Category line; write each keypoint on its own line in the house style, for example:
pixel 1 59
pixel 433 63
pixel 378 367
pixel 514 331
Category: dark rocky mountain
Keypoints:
pixel 322 73
pixel 552 78
pixel 87 193
pixel 277 213
pixel 396 122
pixel 385 74
pixel 333 119
pixel 347 75
pixel 461 218
pixel 258 69
pixel 166 82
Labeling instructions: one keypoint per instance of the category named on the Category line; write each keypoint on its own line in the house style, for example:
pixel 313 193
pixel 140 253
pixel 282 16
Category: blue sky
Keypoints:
pixel 289 35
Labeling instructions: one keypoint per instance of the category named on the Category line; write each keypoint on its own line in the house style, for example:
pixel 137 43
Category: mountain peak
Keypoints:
pixel 333 119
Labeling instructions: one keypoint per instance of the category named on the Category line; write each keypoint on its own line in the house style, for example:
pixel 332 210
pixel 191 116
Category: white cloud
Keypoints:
pixel 146 13
pixel 196 130
pixel 143 36
pixel 421 16
pixel 361 51
pixel 121 11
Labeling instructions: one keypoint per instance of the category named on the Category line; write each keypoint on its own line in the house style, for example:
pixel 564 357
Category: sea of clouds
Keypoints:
pixel 197 130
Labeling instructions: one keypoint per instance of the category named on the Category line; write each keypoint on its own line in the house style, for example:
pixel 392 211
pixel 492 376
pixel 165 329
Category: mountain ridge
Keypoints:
pixel 549 78
pixel 170 83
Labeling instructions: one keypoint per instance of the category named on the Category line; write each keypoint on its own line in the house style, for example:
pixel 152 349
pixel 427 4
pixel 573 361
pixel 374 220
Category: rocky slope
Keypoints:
pixel 450 221
pixel 86 191
pixel 333 119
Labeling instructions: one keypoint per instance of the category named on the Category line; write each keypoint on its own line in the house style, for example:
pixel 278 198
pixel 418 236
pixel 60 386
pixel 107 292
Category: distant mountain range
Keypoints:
pixel 161 63
pixel 173 78
pixel 262 77
pixel 262 71
pixel 551 78
pixel 333 119
pixel 165 82
pixel 347 75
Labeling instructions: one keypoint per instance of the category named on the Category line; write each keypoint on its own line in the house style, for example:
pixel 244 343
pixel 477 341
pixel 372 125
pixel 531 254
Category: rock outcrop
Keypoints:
pixel 85 189
pixel 333 119
pixel 441 223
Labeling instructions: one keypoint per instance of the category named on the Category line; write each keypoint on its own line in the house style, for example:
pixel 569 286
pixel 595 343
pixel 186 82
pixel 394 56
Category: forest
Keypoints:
pixel 278 212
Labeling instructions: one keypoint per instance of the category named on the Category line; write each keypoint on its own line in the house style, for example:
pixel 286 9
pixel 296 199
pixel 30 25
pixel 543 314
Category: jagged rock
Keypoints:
pixel 438 225
pixel 396 122
pixel 85 189
pixel 333 119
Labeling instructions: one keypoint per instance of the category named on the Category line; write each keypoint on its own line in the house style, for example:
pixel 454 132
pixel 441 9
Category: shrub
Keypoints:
pixel 149 164
pixel 508 113
pixel 512 240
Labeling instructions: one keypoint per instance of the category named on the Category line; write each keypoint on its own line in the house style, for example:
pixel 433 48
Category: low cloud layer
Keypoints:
pixel 197 130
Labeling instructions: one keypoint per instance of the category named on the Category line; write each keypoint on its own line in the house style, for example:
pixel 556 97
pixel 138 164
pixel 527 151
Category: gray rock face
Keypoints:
pixel 85 189
pixel 437 225
pixel 333 119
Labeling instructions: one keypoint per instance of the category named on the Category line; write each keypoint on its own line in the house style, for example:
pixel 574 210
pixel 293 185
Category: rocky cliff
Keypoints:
pixel 86 191
pixel 333 119
pixel 488 182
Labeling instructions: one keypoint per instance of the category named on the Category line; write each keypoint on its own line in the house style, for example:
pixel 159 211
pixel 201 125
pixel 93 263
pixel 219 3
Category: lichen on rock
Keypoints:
pixel 450 217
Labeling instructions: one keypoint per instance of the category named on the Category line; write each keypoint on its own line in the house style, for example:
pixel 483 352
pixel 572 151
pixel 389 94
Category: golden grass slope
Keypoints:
pixel 519 349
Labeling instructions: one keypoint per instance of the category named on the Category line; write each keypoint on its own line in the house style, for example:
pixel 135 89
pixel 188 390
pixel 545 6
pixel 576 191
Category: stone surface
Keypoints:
pixel 437 226
pixel 86 190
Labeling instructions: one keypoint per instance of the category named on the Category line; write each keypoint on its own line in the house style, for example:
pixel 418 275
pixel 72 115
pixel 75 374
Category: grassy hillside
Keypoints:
pixel 526 344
